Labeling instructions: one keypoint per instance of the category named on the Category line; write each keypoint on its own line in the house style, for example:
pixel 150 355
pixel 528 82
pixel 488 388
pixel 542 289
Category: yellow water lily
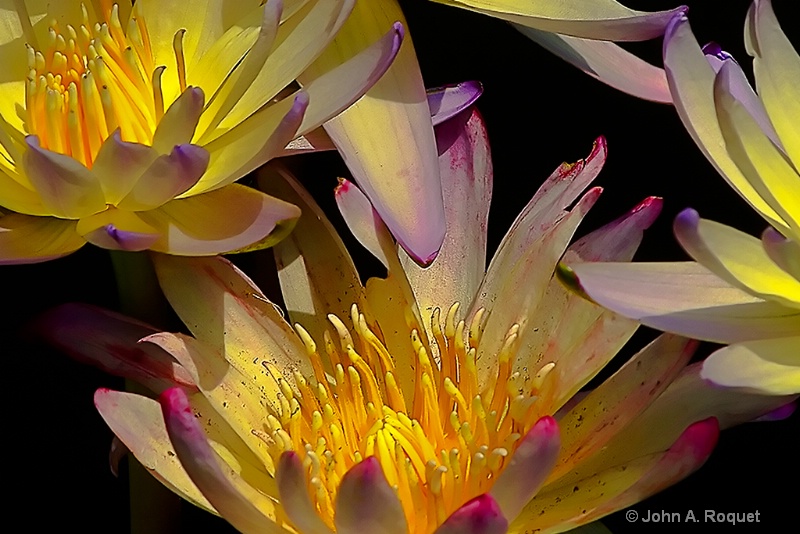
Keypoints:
pixel 583 32
pixel 444 397
pixel 126 124
pixel 742 291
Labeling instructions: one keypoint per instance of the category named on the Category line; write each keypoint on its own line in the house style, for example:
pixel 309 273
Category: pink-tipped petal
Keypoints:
pixel 528 468
pixel 366 503
pixel 204 467
pixel 110 341
pixel 362 220
pixel 293 489
pixel 177 125
pixel 448 101
pixel 606 62
pixel 30 239
pixel 67 188
pixel 167 177
pixel 481 515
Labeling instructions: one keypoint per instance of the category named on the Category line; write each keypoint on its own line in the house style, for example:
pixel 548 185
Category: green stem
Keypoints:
pixel 154 509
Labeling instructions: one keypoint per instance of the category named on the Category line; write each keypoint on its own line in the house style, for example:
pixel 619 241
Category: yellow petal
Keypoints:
pixel 737 258
pixel 776 66
pixel 26 239
pixel 119 164
pixel 66 187
pixel 117 229
pixel 767 366
pixel 316 272
pixel 399 173
pixel 224 220
pixel 599 19
pixel 16 197
pixel 691 82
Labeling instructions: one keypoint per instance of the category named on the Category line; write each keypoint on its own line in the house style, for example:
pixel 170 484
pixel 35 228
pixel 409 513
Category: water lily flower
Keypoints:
pixel 126 124
pixel 583 32
pixel 443 421
pixel 741 290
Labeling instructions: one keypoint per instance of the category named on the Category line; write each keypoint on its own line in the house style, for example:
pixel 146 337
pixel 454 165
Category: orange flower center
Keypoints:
pixel 85 82
pixel 439 447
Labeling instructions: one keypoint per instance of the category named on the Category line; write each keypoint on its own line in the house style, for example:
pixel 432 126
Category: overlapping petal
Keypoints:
pixel 745 290
pixel 177 102
pixel 279 404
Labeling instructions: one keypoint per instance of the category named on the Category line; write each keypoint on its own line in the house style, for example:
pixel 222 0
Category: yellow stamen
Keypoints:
pixel 446 447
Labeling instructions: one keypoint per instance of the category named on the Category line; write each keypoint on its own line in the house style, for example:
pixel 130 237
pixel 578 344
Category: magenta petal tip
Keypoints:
pixel 699 439
pixel 481 515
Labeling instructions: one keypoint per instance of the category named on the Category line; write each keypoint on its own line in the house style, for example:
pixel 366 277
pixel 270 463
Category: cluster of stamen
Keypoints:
pixel 84 83
pixel 438 449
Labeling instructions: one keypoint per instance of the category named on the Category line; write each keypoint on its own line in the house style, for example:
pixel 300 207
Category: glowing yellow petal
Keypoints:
pixel 767 366
pixel 26 239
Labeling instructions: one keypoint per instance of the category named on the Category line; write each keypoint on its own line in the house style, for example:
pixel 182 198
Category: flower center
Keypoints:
pixel 438 449
pixel 84 83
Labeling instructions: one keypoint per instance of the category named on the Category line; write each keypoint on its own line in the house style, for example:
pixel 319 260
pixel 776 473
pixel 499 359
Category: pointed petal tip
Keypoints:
pixel 714 49
pixel 678 20
pixel 570 279
pixel 481 515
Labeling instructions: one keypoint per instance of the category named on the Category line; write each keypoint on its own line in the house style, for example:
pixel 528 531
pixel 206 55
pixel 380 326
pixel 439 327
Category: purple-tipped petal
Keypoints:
pixel 167 177
pixel 448 101
pixel 110 341
pixel 293 489
pixel 366 502
pixel 784 252
pixel 67 188
pixel 528 468
pixel 778 414
pixel 481 515
pixel 178 124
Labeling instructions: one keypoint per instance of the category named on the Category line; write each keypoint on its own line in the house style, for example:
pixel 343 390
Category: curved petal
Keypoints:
pixel 691 82
pixel 316 273
pixel 28 239
pixel 66 187
pixel 528 467
pixel 763 164
pixel 684 298
pixel 599 19
pixel 607 62
pixel 784 252
pixel 448 101
pixel 398 173
pixel 326 96
pixel 138 422
pixel 119 164
pixel 466 172
pixel 295 500
pixel 737 258
pixel 16 197
pixel 241 505
pixel 480 515
pixel 110 341
pixel 226 311
pixel 117 229
pixel 767 366
pixel 366 483
pixel 168 176
pixel 579 337
pixel 178 124
pixel 589 425
pixel 223 220
pixel 299 40
pixel 776 66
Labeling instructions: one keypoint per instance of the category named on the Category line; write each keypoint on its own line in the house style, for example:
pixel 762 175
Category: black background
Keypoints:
pixel 539 112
